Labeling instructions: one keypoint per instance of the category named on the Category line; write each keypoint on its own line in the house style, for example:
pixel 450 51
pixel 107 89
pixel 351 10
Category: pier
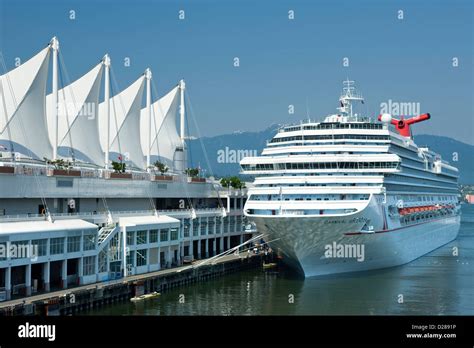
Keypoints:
pixel 82 298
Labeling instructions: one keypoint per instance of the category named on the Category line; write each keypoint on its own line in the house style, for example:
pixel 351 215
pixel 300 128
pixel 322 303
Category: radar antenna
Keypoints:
pixel 349 94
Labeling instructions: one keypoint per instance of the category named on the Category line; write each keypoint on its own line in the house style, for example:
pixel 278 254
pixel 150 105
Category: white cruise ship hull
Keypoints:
pixel 303 241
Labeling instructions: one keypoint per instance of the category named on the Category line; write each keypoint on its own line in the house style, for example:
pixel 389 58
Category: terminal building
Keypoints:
pixel 94 184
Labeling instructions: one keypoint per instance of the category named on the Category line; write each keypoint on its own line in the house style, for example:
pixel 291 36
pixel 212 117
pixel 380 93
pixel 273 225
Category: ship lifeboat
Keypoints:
pixel 403 211
pixel 415 210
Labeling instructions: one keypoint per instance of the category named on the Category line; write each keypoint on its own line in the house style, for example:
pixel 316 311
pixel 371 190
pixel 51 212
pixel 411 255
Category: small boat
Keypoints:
pixel 269 265
pixel 145 297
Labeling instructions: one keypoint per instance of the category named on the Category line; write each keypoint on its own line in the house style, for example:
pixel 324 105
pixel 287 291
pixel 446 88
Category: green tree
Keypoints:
pixel 232 181
pixel 225 182
pixel 192 172
pixel 118 167
pixel 236 183
pixel 162 168
pixel 58 163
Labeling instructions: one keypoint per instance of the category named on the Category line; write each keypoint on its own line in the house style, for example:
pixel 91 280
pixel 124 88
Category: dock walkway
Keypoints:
pixel 98 294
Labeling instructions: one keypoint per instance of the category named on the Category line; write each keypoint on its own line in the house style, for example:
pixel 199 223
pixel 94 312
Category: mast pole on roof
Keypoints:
pixel 55 47
pixel 148 77
pixel 182 87
pixel 106 62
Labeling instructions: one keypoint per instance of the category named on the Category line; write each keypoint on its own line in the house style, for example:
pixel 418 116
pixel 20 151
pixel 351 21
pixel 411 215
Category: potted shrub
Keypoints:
pixel 119 171
pixel 61 168
pixel 193 173
pixel 162 168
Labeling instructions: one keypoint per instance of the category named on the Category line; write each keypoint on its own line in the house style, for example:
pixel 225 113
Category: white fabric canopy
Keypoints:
pixel 78 133
pixel 124 125
pixel 23 126
pixel 164 128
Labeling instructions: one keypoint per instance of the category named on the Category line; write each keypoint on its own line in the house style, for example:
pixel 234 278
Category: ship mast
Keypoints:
pixel 349 95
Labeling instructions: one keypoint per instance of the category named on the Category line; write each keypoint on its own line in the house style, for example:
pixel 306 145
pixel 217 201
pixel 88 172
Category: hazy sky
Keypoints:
pixel 282 61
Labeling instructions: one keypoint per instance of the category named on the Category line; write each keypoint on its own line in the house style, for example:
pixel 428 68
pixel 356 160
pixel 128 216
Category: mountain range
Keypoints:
pixel 220 155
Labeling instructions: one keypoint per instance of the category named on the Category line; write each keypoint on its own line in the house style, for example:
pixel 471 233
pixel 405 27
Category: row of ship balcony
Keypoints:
pixel 362 122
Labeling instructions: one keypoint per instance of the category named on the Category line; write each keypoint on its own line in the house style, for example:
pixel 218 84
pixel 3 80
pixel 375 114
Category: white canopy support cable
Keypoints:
pixel 270 241
pixel 133 148
pixel 225 253
pixel 109 213
pixel 28 83
pixel 156 130
pixel 221 204
pixel 69 125
pixel 4 106
pixel 23 131
pixel 114 84
pixel 117 127
pixel 154 140
pixel 77 116
pixel 188 196
pixel 163 122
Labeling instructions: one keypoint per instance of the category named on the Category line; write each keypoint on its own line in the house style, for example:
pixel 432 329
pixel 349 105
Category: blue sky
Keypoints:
pixel 282 61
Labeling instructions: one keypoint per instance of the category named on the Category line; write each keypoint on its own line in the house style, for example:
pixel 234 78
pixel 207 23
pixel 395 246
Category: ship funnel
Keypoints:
pixel 403 125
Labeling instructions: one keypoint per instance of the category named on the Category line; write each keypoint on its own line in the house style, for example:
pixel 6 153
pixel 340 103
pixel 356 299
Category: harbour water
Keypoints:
pixel 439 283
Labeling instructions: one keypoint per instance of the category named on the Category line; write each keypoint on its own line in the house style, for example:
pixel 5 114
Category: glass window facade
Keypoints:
pixel 42 246
pixel 141 257
pixel 131 238
pixel 164 235
pixel 153 236
pixel 174 234
pixel 88 265
pixel 89 241
pixel 56 246
pixel 141 237
pixel 73 244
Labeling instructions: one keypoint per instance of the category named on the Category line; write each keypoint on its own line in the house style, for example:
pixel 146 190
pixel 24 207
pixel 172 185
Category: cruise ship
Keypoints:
pixel 352 193
pixel 94 184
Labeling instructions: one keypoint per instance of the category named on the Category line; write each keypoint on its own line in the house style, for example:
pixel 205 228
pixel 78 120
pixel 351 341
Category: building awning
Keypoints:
pixel 7 228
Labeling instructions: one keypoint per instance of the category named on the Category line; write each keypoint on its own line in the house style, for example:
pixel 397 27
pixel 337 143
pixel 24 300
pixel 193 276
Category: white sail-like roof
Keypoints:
pixel 78 133
pixel 23 126
pixel 124 125
pixel 164 129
